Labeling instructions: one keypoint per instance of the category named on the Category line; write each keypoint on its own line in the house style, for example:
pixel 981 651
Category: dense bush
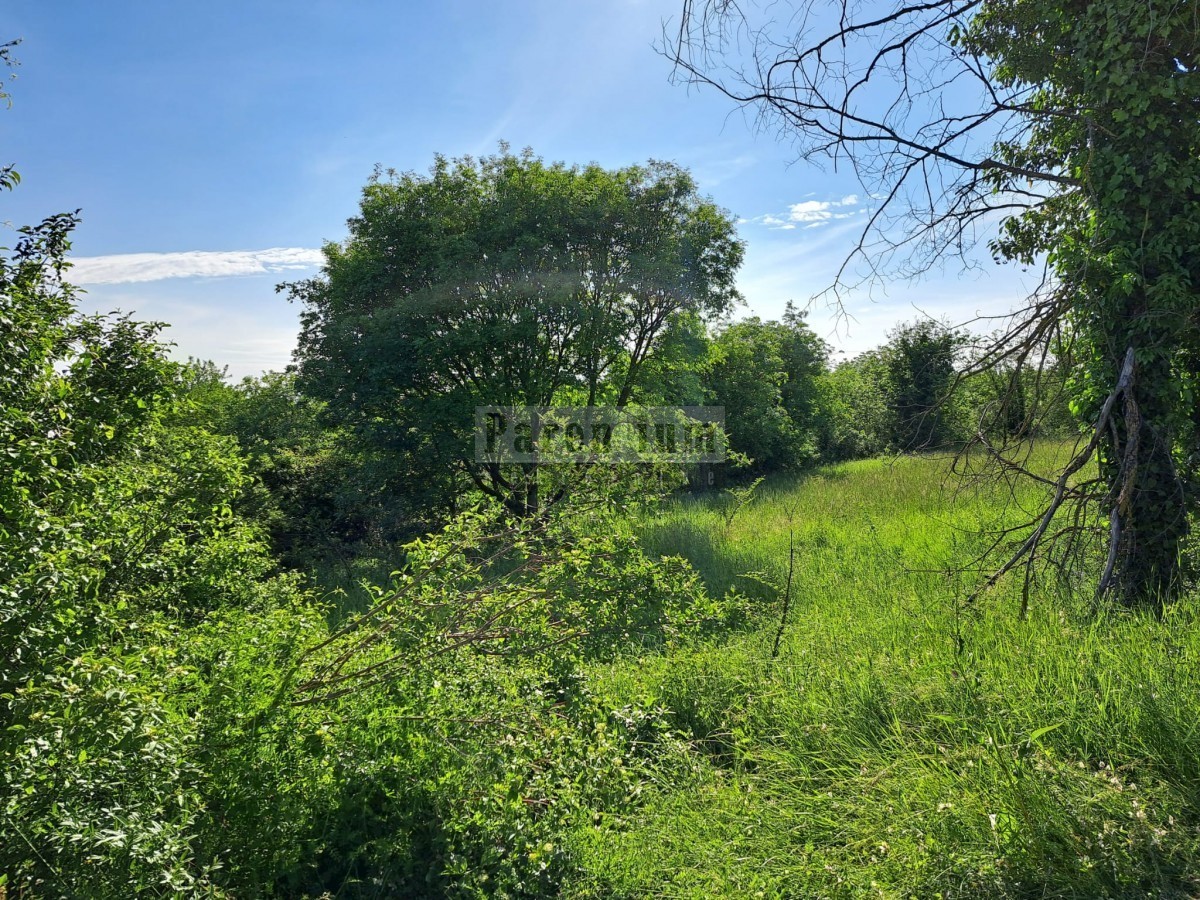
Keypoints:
pixel 856 418
pixel 922 361
pixel 118 539
pixel 165 731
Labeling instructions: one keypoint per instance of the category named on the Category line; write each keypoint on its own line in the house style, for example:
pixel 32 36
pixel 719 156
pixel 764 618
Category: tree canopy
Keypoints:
pixel 765 376
pixel 505 281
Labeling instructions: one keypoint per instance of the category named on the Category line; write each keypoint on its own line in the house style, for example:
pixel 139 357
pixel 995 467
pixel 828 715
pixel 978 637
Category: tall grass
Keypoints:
pixel 904 744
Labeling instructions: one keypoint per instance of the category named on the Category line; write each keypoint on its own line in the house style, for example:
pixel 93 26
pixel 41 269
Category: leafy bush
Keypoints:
pixel 117 538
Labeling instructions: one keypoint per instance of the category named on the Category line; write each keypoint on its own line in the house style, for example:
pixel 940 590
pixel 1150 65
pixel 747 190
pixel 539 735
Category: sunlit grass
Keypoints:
pixel 904 743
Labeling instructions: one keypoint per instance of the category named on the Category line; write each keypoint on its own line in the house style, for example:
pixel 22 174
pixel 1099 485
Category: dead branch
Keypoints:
pixel 1027 550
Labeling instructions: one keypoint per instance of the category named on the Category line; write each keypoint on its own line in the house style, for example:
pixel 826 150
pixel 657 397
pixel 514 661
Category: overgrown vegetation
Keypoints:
pixel 903 744
pixel 1071 123
pixel 291 638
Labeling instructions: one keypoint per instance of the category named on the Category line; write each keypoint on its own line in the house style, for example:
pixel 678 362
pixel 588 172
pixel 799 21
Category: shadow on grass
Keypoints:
pixel 718 563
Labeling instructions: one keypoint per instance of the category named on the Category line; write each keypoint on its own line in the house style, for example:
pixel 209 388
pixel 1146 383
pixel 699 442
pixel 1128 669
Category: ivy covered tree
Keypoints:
pixel 1119 88
pixel 920 359
pixel 504 281
pixel 1074 123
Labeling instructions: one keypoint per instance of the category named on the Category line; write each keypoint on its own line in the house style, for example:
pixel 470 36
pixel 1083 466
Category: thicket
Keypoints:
pixel 180 715
pixel 180 718
pixel 331 499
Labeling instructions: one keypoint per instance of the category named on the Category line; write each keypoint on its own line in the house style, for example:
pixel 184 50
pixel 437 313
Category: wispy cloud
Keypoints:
pixel 714 171
pixel 811 213
pixel 778 270
pixel 127 268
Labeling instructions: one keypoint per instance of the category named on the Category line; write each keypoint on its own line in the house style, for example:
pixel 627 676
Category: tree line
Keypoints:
pixel 509 281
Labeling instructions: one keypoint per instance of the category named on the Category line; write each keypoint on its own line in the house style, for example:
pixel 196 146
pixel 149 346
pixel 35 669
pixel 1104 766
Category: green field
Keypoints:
pixel 902 743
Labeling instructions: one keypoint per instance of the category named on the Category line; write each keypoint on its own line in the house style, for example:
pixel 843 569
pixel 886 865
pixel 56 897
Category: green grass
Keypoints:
pixel 903 745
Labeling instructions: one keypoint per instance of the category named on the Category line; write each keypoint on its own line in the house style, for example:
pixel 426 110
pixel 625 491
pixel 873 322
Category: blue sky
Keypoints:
pixel 214 147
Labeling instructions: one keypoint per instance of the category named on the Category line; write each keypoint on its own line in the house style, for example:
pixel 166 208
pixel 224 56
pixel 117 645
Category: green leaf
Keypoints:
pixel 1039 733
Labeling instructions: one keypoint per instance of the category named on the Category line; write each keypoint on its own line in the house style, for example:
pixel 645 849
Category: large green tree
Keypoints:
pixel 504 281
pixel 1076 123
pixel 765 375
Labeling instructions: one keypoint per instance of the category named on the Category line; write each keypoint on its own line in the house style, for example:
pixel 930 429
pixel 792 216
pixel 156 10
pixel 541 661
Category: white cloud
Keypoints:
pixel 776 222
pixel 127 268
pixel 811 213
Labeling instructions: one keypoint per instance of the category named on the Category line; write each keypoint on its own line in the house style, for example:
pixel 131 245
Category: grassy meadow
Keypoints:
pixel 902 743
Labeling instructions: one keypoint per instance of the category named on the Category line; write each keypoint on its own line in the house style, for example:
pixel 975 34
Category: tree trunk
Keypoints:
pixel 1149 497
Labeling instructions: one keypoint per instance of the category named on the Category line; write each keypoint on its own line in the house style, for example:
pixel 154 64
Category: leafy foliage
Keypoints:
pixel 920 360
pixel 1119 242
pixel 764 375
pixel 506 282
pixel 114 529
pixel 856 416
